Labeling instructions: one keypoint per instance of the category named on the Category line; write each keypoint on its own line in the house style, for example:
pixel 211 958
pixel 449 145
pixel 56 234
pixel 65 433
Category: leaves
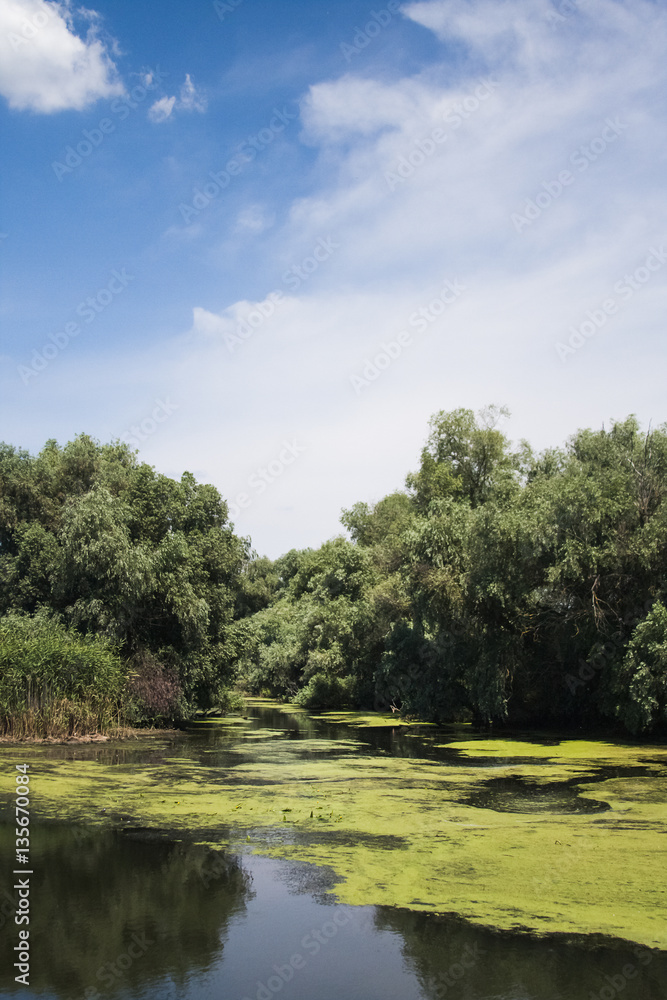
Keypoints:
pixel 482 593
pixel 123 552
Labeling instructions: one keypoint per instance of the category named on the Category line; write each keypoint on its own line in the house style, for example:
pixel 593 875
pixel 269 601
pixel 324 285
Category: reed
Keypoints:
pixel 55 682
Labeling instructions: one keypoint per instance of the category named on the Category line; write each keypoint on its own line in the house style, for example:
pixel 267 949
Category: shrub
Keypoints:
pixel 639 687
pixel 54 680
pixel 154 688
pixel 324 691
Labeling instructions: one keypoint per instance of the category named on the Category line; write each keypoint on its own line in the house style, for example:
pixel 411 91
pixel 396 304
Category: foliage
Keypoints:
pixel 503 586
pixel 461 459
pixel 121 552
pixel 639 687
pixel 154 688
pixel 52 678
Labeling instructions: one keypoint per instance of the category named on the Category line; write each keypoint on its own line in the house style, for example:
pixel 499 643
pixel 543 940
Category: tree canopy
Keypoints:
pixel 116 550
pixel 499 586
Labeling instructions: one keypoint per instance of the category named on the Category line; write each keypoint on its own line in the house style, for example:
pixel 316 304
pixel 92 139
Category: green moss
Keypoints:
pixel 405 832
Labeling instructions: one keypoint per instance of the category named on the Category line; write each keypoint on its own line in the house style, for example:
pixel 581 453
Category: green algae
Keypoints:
pixel 376 720
pixel 404 831
pixel 583 750
pixel 280 706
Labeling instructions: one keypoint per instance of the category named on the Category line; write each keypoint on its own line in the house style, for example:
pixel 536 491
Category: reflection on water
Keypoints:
pixel 452 959
pixel 134 915
pixel 112 911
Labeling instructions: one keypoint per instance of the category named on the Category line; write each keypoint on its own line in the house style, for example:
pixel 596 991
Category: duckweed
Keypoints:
pixel 404 831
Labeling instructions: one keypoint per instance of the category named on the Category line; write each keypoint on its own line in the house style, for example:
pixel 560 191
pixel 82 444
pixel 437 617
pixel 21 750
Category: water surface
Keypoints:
pixel 184 865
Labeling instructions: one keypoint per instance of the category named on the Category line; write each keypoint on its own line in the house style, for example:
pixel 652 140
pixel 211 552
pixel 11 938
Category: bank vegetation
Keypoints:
pixel 500 586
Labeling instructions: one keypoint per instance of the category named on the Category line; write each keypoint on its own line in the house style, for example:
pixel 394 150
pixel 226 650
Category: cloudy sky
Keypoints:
pixel 264 240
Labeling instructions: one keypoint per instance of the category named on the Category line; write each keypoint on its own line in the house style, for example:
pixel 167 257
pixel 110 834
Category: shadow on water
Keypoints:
pixel 517 794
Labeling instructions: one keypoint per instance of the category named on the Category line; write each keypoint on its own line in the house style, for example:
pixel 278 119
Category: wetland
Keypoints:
pixel 392 859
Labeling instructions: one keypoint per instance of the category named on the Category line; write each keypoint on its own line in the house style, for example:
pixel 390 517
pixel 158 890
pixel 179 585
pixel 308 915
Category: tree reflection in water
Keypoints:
pixel 114 911
pixel 452 958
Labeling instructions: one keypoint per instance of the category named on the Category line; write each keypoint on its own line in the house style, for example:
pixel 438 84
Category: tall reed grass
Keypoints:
pixel 55 681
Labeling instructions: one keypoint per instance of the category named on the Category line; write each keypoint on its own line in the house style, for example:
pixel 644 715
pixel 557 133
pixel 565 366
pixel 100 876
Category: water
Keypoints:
pixel 132 912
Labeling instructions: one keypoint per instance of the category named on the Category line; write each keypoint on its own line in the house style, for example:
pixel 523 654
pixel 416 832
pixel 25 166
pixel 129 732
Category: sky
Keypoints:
pixel 265 241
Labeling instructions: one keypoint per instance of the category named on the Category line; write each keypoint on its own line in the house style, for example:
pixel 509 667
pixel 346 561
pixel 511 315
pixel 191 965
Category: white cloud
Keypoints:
pixel 449 217
pixel 190 99
pixel 455 205
pixel 533 37
pixel 254 219
pixel 551 91
pixel 291 381
pixel 45 66
pixel 336 110
pixel 486 26
pixel 162 109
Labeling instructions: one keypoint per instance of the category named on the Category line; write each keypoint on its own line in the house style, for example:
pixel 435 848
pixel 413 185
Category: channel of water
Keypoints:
pixel 135 896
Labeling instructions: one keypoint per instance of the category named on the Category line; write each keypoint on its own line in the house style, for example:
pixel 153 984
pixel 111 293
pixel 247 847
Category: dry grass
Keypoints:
pixel 61 719
pixel 119 733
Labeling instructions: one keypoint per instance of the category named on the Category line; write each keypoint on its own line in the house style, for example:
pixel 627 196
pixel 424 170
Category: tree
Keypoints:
pixel 462 457
pixel 637 691
pixel 120 551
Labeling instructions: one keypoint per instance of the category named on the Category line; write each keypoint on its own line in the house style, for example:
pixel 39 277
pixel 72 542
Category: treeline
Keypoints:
pixel 118 591
pixel 500 586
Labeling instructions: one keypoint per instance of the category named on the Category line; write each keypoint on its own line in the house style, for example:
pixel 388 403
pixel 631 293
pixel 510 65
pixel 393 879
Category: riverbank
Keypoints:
pixel 122 733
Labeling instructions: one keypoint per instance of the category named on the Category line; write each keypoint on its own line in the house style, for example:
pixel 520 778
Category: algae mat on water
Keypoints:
pixel 567 837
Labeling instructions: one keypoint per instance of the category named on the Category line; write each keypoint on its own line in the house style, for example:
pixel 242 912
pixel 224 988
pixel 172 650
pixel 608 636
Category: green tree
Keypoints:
pixel 462 457
pixel 637 692
pixel 122 552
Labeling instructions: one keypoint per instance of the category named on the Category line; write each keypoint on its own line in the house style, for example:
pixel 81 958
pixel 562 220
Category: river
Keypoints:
pixel 339 856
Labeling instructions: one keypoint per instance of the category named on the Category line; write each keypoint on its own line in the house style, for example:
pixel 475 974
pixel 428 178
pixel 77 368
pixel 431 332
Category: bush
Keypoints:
pixel 324 691
pixel 639 687
pixel 54 681
pixel 153 688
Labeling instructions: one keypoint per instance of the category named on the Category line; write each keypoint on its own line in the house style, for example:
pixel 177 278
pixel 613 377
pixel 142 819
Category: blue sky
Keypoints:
pixel 265 241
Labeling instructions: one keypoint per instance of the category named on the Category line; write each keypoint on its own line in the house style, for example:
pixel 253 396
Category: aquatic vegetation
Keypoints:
pixel 584 750
pixel 56 682
pixel 361 720
pixel 516 834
